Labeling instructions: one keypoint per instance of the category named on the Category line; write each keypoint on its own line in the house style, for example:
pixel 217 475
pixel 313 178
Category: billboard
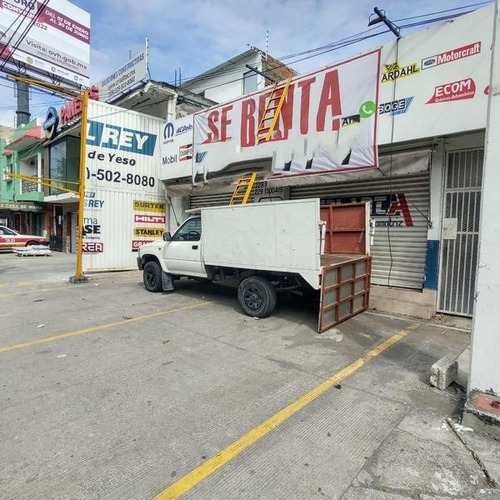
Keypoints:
pixel 328 123
pixel 57 45
pixel 124 202
pixel 125 77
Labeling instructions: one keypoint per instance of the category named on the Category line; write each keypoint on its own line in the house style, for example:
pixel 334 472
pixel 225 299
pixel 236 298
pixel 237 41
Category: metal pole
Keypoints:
pixel 23 103
pixel 81 189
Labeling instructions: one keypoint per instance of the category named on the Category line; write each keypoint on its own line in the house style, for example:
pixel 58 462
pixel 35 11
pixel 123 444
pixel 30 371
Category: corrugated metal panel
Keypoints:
pixel 399 249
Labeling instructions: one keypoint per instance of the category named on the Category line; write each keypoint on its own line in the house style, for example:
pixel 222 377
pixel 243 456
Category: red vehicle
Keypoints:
pixel 10 239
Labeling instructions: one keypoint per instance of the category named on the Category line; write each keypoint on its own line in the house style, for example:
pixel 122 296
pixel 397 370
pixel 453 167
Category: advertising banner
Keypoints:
pixel 328 123
pixel 125 77
pixel 58 43
pixel 124 202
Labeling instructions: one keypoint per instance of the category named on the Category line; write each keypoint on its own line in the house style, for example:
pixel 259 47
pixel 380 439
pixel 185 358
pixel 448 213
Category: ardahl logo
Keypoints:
pixel 394 71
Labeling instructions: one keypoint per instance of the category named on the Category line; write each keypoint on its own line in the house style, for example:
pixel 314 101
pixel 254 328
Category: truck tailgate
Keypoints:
pixel 345 288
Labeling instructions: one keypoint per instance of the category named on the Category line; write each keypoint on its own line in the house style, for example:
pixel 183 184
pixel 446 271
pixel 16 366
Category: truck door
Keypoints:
pixel 183 254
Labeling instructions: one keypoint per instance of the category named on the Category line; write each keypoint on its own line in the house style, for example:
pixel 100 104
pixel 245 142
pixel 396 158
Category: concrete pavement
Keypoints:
pixel 108 391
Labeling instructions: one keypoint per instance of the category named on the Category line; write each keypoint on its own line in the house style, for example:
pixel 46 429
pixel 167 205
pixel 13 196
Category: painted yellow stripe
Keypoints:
pixel 207 468
pixel 97 328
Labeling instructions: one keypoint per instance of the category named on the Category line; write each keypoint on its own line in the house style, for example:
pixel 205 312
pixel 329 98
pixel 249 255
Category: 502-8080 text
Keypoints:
pixel 102 174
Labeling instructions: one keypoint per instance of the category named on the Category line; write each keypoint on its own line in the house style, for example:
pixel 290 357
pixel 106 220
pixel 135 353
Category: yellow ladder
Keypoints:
pixel 272 111
pixel 243 189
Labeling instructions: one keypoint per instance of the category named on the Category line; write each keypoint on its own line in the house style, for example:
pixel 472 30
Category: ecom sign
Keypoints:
pixel 129 140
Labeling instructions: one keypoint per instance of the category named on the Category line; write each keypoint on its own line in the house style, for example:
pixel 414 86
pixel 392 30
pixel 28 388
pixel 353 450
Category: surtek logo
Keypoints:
pixel 397 107
pixel 454 91
pixel 452 55
pixel 394 71
pixel 185 152
pixel 120 138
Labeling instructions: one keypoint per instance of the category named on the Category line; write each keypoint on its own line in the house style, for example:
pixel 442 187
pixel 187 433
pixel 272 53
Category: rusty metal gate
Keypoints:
pixel 460 231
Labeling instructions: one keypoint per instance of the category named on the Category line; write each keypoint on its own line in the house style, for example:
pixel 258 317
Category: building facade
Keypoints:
pixel 432 91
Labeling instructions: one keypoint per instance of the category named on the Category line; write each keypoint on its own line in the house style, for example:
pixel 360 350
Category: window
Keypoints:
pixel 64 160
pixel 249 82
pixel 189 231
pixel 7 232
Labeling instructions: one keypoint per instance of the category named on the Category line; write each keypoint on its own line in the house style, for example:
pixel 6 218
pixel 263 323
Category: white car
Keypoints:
pixel 10 239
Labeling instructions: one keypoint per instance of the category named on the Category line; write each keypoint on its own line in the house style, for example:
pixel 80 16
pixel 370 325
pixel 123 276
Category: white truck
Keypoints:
pixel 287 246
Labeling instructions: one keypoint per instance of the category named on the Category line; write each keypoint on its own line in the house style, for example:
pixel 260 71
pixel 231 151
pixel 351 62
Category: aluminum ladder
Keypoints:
pixel 272 111
pixel 243 189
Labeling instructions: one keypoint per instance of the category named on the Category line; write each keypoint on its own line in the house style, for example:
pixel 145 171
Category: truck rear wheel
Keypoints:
pixel 151 276
pixel 257 296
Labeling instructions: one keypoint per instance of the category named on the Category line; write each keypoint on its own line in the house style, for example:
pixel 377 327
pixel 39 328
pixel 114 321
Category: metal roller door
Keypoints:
pixel 400 209
pixel 211 200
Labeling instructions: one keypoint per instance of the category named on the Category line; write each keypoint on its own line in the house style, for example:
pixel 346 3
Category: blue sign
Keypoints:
pixel 51 122
pixel 109 136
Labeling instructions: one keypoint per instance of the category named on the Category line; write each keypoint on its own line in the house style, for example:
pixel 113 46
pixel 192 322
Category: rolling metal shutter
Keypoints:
pixel 399 249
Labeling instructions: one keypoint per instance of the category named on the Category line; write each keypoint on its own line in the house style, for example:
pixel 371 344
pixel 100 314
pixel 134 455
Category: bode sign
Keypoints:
pixel 327 123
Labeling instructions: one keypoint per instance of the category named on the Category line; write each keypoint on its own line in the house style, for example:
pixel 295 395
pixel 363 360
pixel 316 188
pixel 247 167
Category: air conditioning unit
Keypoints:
pixel 6 174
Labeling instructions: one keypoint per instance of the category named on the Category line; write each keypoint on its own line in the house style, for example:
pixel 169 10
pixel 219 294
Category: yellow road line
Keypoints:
pixel 207 468
pixel 97 328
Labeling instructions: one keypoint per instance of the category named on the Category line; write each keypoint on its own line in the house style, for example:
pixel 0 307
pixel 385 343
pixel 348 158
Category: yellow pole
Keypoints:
pixel 81 185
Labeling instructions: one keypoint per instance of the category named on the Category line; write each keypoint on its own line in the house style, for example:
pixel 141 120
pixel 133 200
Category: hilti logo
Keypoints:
pixel 454 91
pixel 153 219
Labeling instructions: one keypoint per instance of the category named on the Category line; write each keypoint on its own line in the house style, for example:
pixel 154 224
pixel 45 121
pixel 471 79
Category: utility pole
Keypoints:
pixel 482 409
pixel 23 103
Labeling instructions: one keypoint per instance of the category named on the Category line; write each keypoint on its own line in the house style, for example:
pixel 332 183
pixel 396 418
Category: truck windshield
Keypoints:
pixel 189 231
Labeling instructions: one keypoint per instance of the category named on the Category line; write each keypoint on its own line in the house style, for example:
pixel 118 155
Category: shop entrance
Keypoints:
pixel 460 231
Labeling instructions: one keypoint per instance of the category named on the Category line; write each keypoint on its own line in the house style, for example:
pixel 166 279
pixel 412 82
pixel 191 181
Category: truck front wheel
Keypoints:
pixel 151 275
pixel 257 296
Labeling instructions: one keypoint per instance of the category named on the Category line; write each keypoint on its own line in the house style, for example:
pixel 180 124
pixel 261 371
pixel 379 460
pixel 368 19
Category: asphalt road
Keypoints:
pixel 111 392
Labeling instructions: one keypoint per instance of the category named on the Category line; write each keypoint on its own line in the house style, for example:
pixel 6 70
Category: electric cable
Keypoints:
pixel 25 32
pixel 23 14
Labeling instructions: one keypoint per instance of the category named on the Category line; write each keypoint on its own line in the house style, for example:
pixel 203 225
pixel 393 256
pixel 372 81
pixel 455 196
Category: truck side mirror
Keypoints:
pixel 167 236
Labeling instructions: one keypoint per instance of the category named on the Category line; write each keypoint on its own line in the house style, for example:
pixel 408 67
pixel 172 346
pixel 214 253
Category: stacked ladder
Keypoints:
pixel 272 111
pixel 243 189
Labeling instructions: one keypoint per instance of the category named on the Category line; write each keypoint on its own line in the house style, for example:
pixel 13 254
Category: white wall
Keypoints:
pixel 228 84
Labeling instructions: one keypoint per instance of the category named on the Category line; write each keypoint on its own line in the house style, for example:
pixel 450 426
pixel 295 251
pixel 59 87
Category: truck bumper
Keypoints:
pixel 139 263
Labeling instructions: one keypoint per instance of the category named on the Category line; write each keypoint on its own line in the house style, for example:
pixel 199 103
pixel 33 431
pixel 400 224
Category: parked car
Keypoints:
pixel 10 239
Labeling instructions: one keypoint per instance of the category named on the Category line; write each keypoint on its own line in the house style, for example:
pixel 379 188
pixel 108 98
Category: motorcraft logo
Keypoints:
pixel 397 107
pixel 454 91
pixel 452 55
pixel 394 71
pixel 185 152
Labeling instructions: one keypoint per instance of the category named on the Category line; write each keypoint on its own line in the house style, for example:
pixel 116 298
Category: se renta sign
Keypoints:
pixel 124 201
pixel 328 123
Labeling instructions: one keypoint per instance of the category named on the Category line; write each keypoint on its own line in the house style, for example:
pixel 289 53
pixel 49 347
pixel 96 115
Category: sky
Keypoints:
pixel 196 35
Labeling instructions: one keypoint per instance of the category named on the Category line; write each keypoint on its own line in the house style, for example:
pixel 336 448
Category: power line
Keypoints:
pixel 357 37
pixel 23 15
pixel 25 32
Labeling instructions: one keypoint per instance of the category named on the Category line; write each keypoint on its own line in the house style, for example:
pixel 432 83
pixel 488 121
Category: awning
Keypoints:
pixel 60 199
pixel 29 138
pixel 20 206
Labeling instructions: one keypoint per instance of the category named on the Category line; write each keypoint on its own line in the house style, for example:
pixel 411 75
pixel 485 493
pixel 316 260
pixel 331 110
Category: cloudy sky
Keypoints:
pixel 196 35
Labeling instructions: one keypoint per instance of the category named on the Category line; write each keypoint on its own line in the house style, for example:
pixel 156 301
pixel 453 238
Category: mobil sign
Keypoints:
pixel 328 123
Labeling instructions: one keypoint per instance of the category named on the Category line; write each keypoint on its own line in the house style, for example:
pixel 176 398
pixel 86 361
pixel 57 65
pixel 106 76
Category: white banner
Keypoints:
pixel 328 123
pixel 124 202
pixel 58 43
pixel 125 77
